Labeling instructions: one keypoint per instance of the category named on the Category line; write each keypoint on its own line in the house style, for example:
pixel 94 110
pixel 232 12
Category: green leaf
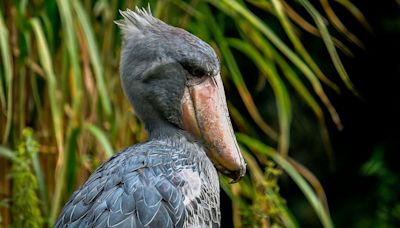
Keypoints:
pixel 237 78
pixel 356 13
pixel 308 192
pixel 7 153
pixel 297 84
pixel 329 44
pixel 72 165
pixel 282 97
pixel 101 138
pixel 270 195
pixel 40 182
pixel 46 62
pixel 67 20
pixel 8 73
pixel 337 23
pixel 231 7
pixel 94 56
pixel 287 26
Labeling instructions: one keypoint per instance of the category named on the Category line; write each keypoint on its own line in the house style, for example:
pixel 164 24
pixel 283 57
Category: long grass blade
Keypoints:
pixel 329 44
pixel 308 192
pixel 231 6
pixel 287 26
pixel 6 59
pixel 356 13
pixel 94 56
pixel 265 5
pixel 67 18
pixel 313 180
pixel 8 73
pixel 337 23
pixel 33 146
pixel 304 24
pixel 241 122
pixel 257 23
pixel 101 138
pixel 3 102
pixel 238 79
pixel 299 87
pixel 262 44
pixel 71 149
pixel 280 91
pixel 297 84
pixel 236 219
pixel 7 153
pixel 46 62
pixel 41 183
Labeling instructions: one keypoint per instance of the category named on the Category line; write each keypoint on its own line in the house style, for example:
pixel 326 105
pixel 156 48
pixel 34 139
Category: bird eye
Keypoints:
pixel 193 69
pixel 197 72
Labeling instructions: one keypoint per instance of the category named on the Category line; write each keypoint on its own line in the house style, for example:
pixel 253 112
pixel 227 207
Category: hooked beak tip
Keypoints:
pixel 235 175
pixel 238 174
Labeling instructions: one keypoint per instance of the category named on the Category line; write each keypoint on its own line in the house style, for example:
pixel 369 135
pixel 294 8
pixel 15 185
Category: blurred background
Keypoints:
pixel 311 87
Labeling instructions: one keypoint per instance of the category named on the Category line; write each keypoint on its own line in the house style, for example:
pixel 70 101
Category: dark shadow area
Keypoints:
pixel 363 189
pixel 361 183
pixel 363 186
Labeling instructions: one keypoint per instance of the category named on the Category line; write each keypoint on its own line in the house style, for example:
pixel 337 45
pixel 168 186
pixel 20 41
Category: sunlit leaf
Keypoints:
pixel 94 56
pixel 67 18
pixel 329 44
pixel 251 18
pixel 47 65
pixel 6 153
pixel 280 91
pixel 8 73
pixel 238 80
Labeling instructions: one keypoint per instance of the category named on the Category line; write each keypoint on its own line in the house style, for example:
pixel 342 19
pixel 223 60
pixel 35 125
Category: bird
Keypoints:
pixel 172 79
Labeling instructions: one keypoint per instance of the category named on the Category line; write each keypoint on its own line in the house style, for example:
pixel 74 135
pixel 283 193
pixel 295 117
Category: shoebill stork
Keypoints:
pixel 172 79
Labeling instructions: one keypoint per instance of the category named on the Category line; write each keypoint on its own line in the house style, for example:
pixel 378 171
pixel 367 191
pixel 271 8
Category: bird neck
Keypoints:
pixel 155 123
pixel 161 129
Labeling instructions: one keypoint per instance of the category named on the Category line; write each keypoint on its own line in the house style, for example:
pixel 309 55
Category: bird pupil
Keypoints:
pixel 195 72
pixel 193 69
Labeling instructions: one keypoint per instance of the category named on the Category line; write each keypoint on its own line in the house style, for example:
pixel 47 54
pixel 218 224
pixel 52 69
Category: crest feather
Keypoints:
pixel 134 23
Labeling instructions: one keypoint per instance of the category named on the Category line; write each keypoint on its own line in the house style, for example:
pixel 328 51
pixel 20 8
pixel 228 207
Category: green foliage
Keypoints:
pixel 59 75
pixel 388 183
pixel 25 203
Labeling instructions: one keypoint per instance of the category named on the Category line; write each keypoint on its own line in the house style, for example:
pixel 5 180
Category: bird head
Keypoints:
pixel 172 79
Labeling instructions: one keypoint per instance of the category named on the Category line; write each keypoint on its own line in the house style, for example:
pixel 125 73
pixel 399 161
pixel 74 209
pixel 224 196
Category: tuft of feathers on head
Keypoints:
pixel 134 23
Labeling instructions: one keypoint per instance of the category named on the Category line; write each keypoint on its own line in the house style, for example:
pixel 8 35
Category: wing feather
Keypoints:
pixel 119 196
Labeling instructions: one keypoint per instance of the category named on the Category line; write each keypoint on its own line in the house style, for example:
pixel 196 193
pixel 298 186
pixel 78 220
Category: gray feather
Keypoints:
pixel 144 185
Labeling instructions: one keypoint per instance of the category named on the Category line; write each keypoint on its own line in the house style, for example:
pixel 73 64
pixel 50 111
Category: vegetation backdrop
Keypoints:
pixel 63 113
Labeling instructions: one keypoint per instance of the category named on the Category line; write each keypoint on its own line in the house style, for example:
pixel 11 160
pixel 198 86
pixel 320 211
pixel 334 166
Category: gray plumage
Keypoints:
pixel 156 61
pixel 146 185
pixel 168 181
